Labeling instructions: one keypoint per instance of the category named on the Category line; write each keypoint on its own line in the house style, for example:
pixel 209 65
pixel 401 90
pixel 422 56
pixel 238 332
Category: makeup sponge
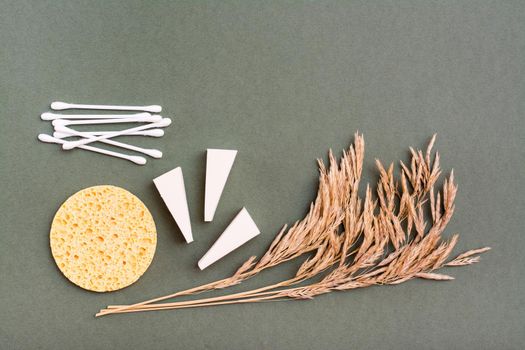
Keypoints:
pixel 103 238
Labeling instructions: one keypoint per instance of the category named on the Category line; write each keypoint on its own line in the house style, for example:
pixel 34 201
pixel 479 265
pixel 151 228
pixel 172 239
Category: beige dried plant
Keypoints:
pixel 385 239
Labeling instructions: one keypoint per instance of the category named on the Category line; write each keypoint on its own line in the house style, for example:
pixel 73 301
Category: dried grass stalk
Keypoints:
pixel 386 238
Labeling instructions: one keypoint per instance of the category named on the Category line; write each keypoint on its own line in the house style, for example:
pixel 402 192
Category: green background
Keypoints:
pixel 282 82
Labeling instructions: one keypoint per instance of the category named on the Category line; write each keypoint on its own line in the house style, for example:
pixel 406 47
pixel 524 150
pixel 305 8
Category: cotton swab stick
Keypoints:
pixel 146 119
pixel 135 159
pixel 53 116
pixel 155 153
pixel 59 106
pixel 151 132
pixel 88 139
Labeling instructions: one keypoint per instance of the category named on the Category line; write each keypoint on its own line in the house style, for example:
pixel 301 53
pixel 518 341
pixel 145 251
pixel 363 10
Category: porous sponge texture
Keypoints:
pixel 103 238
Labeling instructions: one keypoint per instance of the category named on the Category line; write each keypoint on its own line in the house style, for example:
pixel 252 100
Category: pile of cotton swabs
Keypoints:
pixel 62 124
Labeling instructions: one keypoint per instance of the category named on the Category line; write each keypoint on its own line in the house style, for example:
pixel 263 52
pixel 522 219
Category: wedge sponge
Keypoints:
pixel 103 238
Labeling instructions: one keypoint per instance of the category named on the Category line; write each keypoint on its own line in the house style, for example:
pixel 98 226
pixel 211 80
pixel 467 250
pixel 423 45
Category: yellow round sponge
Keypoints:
pixel 103 238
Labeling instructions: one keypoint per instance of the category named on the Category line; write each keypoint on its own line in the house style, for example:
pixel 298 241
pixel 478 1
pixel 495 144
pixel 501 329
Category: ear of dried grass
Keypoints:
pixel 382 242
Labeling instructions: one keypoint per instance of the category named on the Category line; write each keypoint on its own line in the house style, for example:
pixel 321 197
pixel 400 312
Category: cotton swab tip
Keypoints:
pixel 154 132
pixel 154 108
pixel 68 145
pixel 58 106
pixel 47 116
pixel 137 160
pixel 155 153
pixel 164 122
pixel 59 122
pixel 61 128
pixel 45 138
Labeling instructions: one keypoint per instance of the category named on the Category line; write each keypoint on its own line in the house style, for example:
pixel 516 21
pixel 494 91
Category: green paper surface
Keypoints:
pixel 282 82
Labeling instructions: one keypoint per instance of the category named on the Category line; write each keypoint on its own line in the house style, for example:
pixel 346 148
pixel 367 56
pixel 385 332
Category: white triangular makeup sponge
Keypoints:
pixel 218 165
pixel 238 232
pixel 171 188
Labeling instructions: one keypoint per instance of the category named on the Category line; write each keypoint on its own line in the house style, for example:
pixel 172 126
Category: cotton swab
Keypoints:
pixel 147 119
pixel 53 116
pixel 151 132
pixel 88 139
pixel 59 106
pixel 155 153
pixel 135 159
